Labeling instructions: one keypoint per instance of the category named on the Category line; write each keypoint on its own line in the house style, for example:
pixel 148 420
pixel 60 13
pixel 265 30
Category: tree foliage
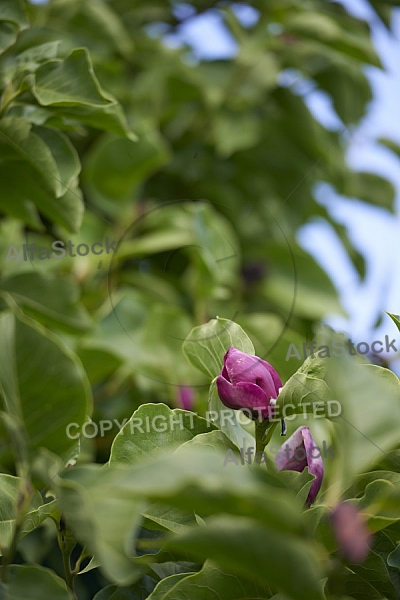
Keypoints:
pixel 151 200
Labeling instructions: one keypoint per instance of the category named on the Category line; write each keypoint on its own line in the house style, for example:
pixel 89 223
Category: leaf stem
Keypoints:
pixel 66 544
pixel 261 428
pixel 24 499
pixel 9 555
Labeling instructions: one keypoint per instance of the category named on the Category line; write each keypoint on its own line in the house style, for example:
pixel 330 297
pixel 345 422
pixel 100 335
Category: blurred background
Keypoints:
pixel 371 230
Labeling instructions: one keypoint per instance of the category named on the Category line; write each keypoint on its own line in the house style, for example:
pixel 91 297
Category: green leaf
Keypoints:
pixel 45 405
pixel 30 59
pixel 103 505
pixel 116 166
pixel 49 299
pixel 349 88
pixel 37 516
pixel 206 345
pixel 244 547
pixel 164 518
pixel 296 283
pixel 167 585
pixel 13 18
pixel 164 327
pixel 362 481
pixel 300 482
pixel 106 24
pixel 64 153
pixel 19 180
pixel 214 439
pixel 103 520
pixel 19 142
pixel 380 504
pixel 137 591
pixel 8 35
pixel 371 188
pixel 393 146
pixel 155 427
pixel 153 243
pixel 372 574
pixel 235 131
pixel 14 11
pixel 69 81
pixel 9 495
pixel 394 557
pixel 109 117
pixel 395 319
pixel 306 391
pixel 334 30
pixel 224 584
pixel 370 408
pixel 35 583
pixel 30 174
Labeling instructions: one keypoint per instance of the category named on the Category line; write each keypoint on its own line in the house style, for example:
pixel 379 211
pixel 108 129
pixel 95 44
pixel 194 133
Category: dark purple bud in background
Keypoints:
pixel 185 397
pixel 247 383
pixel 351 532
pixel 299 452
pixel 253 272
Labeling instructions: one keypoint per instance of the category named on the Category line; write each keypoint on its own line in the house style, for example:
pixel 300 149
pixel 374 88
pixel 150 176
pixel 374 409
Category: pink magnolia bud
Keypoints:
pixel 185 397
pixel 351 532
pixel 247 382
pixel 299 452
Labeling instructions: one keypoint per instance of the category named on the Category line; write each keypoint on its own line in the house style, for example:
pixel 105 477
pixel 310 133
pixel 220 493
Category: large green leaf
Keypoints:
pixel 36 516
pixel 246 548
pixel 194 478
pixel 109 117
pixel 21 181
pixel 33 582
pixel 333 30
pixel 371 188
pixel 380 503
pixel 307 391
pixel 155 427
pixel 72 84
pixel 48 298
pixel 103 505
pixel 10 488
pixel 33 172
pixel 117 165
pixel 44 403
pixel 19 142
pixel 30 59
pixel 224 584
pixel 64 153
pixel 103 520
pixel 296 284
pixel 164 518
pixel 13 18
pixel 370 408
pixel 137 591
pixel 105 23
pixel 369 579
pixel 69 81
